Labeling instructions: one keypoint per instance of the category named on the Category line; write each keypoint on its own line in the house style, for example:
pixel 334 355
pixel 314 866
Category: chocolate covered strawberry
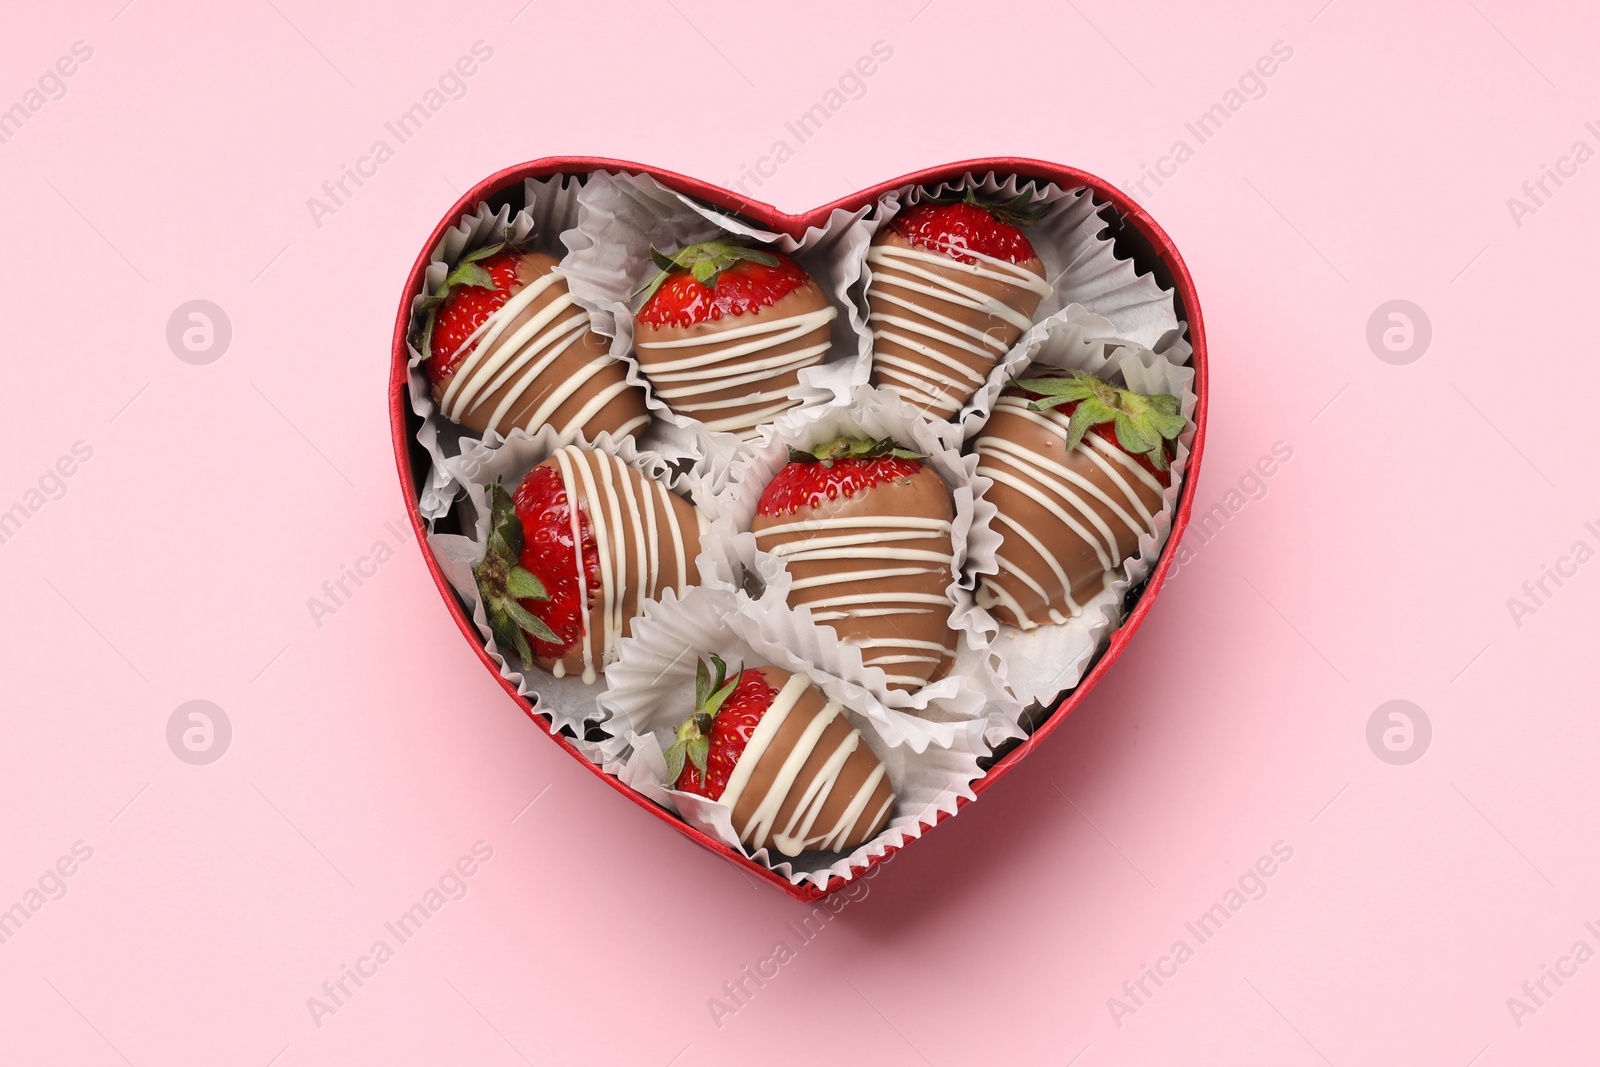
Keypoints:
pixel 783 758
pixel 572 553
pixel 505 345
pixel 954 283
pixel 1079 468
pixel 724 329
pixel 864 529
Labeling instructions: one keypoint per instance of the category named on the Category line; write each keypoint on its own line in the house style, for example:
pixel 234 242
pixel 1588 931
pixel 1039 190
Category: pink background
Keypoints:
pixel 371 751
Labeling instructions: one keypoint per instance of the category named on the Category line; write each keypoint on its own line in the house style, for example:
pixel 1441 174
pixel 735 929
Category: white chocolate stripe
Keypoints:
pixel 809 319
pixel 894 366
pixel 852 577
pixel 781 331
pixel 749 419
pixel 1060 422
pixel 866 613
pixel 542 354
pixel 761 738
pixel 492 328
pixel 1061 481
pixel 880 598
pixel 1029 490
pixel 792 841
pixel 564 459
pixel 867 552
pixel 527 354
pixel 943 320
pixel 604 507
pixel 873 522
pixel 899 266
pixel 986 266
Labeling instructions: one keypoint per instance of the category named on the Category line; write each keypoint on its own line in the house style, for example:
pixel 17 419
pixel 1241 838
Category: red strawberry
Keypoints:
pixel 635 539
pixel 991 230
pixel 1078 468
pixel 716 278
pixel 809 782
pixel 954 284
pixel 527 579
pixel 478 287
pixel 727 711
pixel 506 345
pixel 757 306
pixel 864 529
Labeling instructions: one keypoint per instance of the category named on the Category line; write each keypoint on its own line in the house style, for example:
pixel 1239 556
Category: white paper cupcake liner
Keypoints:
pixel 569 702
pixel 650 690
pixel 1041 663
pixel 622 216
pixel 918 719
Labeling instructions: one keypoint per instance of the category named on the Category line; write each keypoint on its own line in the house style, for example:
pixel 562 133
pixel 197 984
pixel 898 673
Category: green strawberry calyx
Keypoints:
pixel 1021 211
pixel 503 582
pixel 852 448
pixel 692 742
pixel 1144 423
pixel 465 273
pixel 704 261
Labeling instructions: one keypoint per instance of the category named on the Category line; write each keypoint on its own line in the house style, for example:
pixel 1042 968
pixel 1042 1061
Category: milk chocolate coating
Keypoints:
pixel 900 620
pixel 788 833
pixel 1029 591
pixel 931 381
pixel 623 508
pixel 752 396
pixel 585 360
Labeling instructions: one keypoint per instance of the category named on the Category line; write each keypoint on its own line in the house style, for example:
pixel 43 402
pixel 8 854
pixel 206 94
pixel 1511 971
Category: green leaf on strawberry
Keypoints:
pixel 1143 424
pixel 503 583
pixel 693 740
pixel 1022 210
pixel 467 272
pixel 852 448
pixel 703 261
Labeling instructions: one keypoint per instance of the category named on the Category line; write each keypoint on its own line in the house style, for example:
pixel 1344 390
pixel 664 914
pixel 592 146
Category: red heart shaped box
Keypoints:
pixel 1135 235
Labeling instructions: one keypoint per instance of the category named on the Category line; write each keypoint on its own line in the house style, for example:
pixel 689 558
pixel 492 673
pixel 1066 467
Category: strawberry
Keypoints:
pixel 478 287
pixel 840 468
pixel 574 551
pixel 864 529
pixel 527 579
pixel 947 225
pixel 560 371
pixel 706 281
pixel 1078 467
pixel 724 329
pixel 726 713
pixel 954 283
pixel 785 760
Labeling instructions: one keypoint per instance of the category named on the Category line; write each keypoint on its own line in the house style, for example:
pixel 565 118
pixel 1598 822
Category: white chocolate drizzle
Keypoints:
pixel 618 504
pixel 523 357
pixel 679 381
pixel 911 269
pixel 1066 495
pixel 797 835
pixel 870 538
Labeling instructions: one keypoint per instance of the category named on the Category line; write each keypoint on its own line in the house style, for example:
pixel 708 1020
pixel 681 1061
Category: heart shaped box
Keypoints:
pixel 1135 236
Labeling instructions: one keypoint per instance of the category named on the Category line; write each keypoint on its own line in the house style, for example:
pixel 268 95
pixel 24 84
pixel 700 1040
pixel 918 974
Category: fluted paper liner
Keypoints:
pixel 569 701
pixel 622 216
pixel 650 690
pixel 1041 663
